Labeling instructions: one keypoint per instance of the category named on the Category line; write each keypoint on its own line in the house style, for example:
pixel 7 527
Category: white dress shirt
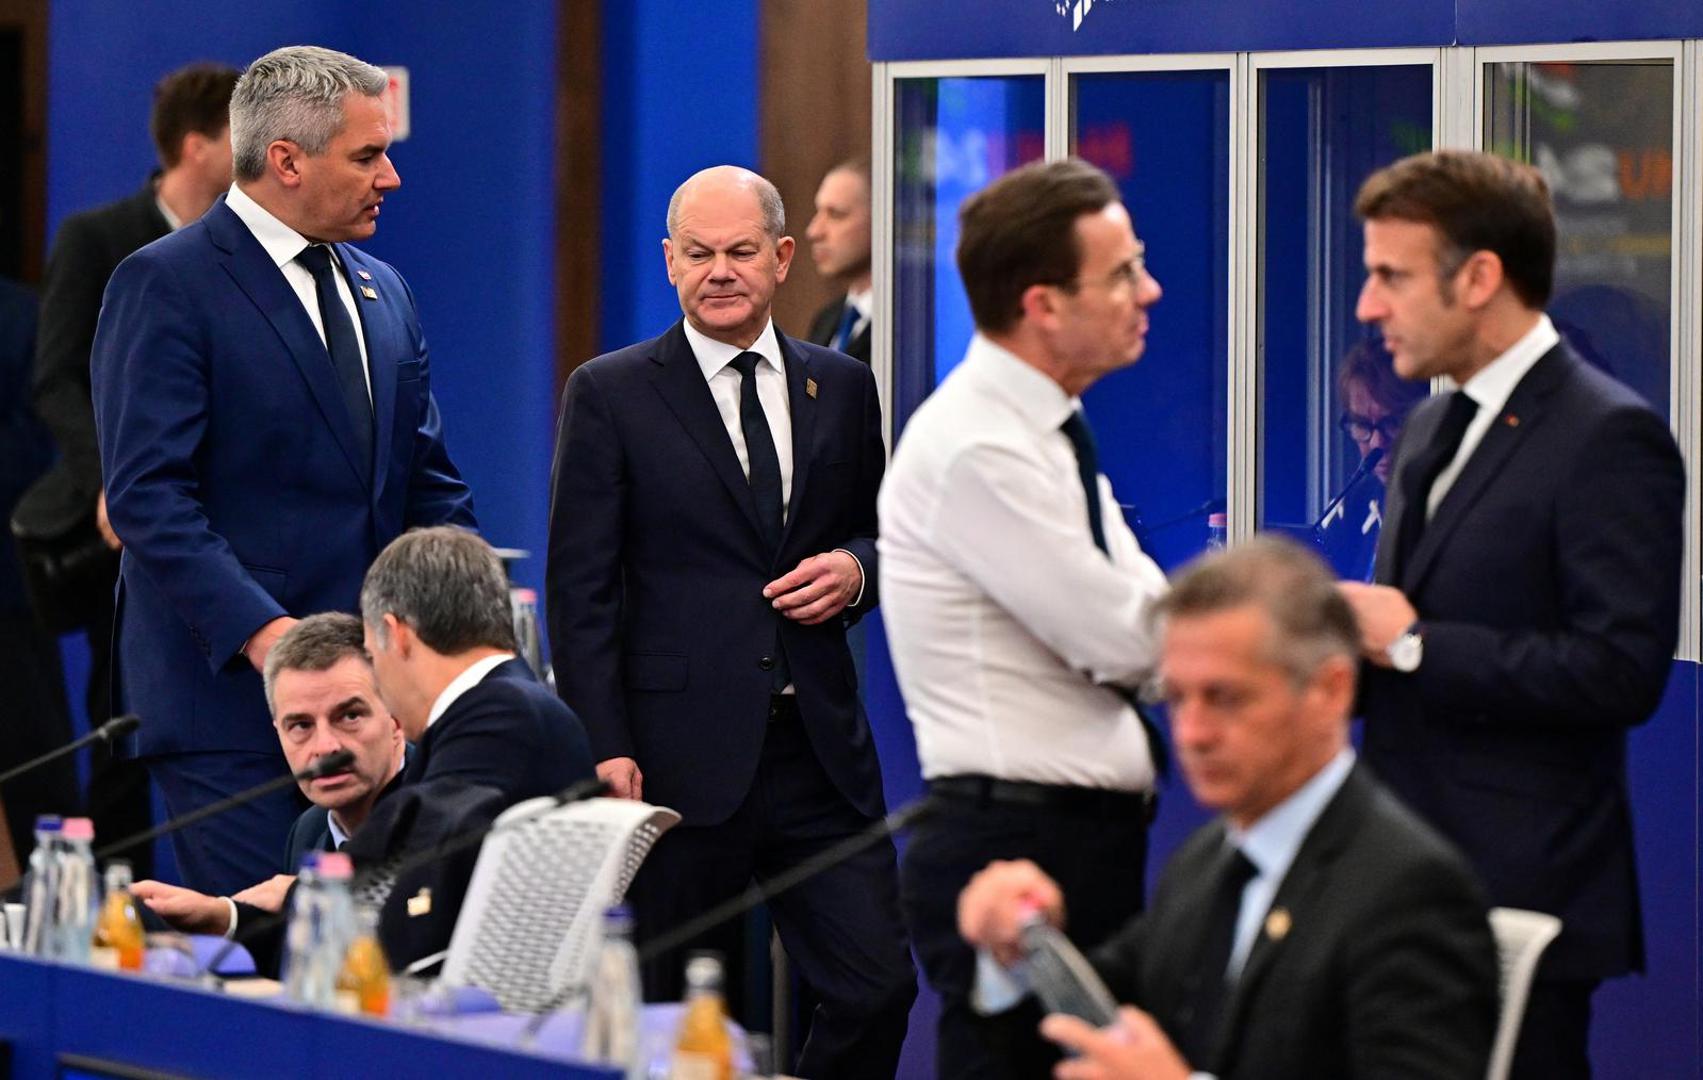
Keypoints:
pixel 283 244
pixel 1490 389
pixel 864 302
pixel 1006 623
pixel 471 676
pixel 716 360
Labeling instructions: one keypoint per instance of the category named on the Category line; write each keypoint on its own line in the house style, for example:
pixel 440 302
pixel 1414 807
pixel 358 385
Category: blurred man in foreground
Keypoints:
pixel 1317 929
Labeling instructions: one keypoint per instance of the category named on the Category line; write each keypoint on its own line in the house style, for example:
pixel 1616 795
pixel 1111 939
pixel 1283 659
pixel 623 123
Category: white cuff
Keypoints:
pixel 996 989
pixel 862 579
pixel 231 910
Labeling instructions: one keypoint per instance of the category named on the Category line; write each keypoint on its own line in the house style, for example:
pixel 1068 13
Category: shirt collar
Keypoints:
pixel 1492 386
pixel 714 355
pixel 281 242
pixel 339 835
pixel 471 676
pixel 1036 397
pixel 863 301
pixel 1271 842
pixel 172 220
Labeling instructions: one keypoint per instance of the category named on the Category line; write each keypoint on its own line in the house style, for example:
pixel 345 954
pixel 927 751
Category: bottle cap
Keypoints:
pixel 48 822
pixel 78 828
pixel 524 595
pixel 618 919
pixel 310 861
pixel 335 864
pixel 1218 520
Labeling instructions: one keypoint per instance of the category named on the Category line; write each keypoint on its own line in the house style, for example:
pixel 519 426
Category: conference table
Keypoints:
pixel 70 1023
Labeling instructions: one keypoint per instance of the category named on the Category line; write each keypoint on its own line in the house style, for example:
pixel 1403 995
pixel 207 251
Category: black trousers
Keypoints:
pixel 33 720
pixel 1099 863
pixel 120 799
pixel 841 928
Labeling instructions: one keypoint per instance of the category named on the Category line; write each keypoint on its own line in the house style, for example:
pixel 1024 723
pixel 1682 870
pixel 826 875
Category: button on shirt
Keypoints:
pixel 282 245
pixel 1490 389
pixel 1010 631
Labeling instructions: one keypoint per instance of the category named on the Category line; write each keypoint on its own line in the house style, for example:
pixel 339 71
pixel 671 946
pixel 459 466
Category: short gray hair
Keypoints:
pixel 768 198
pixel 317 643
pixel 445 583
pixel 1284 580
pixel 294 93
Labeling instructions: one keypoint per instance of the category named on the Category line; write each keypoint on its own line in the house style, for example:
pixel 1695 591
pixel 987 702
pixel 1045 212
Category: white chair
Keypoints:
pixel 1521 936
pixel 530 925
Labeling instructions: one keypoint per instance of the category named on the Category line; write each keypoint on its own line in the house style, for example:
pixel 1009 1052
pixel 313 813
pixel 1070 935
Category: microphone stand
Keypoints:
pixel 117 727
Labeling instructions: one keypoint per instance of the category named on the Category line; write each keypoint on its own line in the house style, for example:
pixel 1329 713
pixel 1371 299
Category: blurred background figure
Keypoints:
pixel 839 246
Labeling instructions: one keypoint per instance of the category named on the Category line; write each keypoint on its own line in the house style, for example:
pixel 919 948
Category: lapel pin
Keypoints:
pixel 1511 420
pixel 369 292
pixel 364 275
pixel 1277 924
pixel 420 904
pixel 809 387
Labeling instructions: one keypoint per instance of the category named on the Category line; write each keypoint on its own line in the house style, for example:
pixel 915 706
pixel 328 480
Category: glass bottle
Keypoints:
pixel 119 941
pixel 612 1029
pixel 703 1049
pixel 363 985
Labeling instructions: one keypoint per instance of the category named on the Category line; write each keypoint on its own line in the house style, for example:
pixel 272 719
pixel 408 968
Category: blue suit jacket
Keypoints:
pixel 231 469
pixel 1548 584
pixel 657 566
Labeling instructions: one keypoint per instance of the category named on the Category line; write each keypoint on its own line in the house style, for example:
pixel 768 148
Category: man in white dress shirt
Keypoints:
pixel 1016 598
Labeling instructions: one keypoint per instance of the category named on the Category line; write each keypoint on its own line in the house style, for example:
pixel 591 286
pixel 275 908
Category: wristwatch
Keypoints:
pixel 1406 651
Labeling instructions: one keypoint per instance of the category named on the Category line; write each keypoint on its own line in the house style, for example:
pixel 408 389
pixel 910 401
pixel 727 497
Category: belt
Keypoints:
pixel 783 707
pixel 1081 801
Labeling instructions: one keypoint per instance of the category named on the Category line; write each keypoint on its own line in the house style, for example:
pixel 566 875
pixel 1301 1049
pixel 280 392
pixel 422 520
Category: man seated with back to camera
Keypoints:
pixel 323 697
pixel 1318 928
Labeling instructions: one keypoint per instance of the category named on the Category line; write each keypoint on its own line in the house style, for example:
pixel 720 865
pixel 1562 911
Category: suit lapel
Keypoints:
pixel 378 329
pixel 801 403
pixel 1522 412
pixel 1415 436
pixel 681 383
pixel 257 276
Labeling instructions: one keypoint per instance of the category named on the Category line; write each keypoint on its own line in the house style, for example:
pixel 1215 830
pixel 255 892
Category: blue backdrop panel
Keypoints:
pixel 935 29
pixel 1509 22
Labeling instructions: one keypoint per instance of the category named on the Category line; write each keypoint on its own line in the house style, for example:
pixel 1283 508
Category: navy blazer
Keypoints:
pixel 231 468
pixel 661 637
pixel 508 732
pixel 1384 966
pixel 1548 582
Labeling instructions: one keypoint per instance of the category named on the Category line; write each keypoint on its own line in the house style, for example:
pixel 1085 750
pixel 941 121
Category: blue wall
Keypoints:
pixel 471 228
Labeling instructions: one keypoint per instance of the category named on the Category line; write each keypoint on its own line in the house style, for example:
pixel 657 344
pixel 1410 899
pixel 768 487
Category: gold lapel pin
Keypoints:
pixel 1511 420
pixel 809 387
pixel 420 904
pixel 1277 924
pixel 369 292
pixel 364 275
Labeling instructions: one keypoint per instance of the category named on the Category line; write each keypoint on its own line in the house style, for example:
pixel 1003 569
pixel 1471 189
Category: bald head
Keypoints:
pixel 723 182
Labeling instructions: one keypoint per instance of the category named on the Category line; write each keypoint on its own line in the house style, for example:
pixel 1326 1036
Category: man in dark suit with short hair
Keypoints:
pixel 263 396
pixel 839 246
pixel 711 534
pixel 1528 575
pixel 1318 928
pixel 190 124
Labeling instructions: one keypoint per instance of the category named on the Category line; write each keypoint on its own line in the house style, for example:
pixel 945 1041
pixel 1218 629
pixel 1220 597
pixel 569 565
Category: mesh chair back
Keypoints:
pixel 529 927
pixel 1521 937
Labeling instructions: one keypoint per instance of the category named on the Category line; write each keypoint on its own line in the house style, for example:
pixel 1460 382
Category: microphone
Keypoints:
pixel 334 762
pixel 395 868
pixel 117 727
pixel 1367 464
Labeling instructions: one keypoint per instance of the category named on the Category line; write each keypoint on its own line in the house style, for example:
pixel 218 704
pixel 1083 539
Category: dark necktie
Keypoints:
pixel 848 323
pixel 1081 436
pixel 1419 475
pixel 344 347
pixel 1199 1039
pixel 764 475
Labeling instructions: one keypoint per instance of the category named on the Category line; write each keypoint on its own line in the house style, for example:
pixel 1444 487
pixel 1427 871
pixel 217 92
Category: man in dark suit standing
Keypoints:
pixel 1318 928
pixel 839 246
pixel 266 426
pixel 190 124
pixel 712 532
pixel 1527 598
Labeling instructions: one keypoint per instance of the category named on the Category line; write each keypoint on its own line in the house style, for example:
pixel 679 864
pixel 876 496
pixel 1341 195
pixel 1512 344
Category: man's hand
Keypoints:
pixel 268 895
pixel 1383 613
pixel 264 638
pixel 819 588
pixel 1132 1049
pixel 997 902
pixel 623 777
pixel 184 909
pixel 105 525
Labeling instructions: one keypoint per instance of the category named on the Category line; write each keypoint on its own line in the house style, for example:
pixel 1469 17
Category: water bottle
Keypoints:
pixel 1217 527
pixel 529 644
pixel 43 886
pixel 303 929
pixel 336 929
pixel 78 892
pixel 612 1035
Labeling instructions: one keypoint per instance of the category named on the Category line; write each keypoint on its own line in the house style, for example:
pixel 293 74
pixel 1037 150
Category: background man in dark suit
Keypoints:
pixel 839 245
pixel 266 426
pixel 712 532
pixel 320 688
pixel 1527 602
pixel 1318 928
pixel 190 124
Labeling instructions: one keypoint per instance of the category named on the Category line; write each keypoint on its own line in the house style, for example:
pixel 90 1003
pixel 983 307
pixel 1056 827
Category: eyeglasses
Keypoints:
pixel 1362 428
pixel 1127 275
